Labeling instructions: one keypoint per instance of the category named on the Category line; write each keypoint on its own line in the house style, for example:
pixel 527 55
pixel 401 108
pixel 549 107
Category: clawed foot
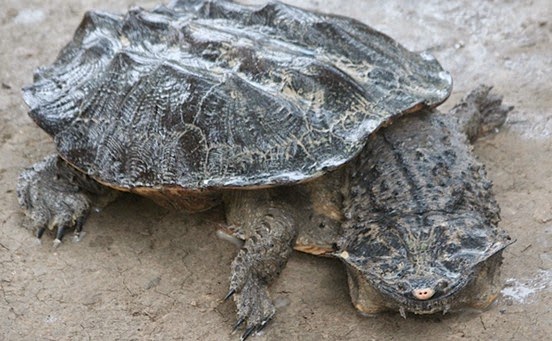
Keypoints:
pixel 52 200
pixel 62 229
pixel 260 260
pixel 254 306
pixel 248 287
pixel 480 112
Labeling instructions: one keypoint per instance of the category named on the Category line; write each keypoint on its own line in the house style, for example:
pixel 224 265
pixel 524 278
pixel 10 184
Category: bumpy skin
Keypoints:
pixel 183 102
pixel 413 217
pixel 212 94
pixel 421 230
pixel 266 220
pixel 57 197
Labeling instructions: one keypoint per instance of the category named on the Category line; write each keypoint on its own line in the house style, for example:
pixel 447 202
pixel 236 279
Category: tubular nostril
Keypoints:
pixel 423 294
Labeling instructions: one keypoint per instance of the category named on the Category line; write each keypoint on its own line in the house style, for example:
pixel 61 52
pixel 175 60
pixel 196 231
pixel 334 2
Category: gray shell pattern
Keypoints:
pixel 209 94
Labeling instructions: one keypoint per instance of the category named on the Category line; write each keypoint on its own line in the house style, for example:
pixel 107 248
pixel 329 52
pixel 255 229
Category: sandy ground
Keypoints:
pixel 143 272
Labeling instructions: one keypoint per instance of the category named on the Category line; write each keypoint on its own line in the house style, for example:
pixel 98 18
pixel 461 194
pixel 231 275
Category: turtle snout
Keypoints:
pixel 423 294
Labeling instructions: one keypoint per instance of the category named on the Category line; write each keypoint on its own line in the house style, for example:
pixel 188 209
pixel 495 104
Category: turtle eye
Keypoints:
pixel 443 284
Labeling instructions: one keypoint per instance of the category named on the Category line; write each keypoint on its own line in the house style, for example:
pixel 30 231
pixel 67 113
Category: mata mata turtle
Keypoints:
pixel 270 111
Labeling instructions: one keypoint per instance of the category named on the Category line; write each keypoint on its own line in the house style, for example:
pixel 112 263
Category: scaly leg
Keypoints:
pixel 266 223
pixel 56 196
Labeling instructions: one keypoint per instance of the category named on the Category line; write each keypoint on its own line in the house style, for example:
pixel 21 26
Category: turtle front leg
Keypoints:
pixel 57 197
pixel 267 226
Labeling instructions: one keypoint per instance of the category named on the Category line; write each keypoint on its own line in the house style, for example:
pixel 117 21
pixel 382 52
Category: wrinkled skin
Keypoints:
pixel 421 218
pixel 56 197
pixel 413 218
pixel 178 105
pixel 413 214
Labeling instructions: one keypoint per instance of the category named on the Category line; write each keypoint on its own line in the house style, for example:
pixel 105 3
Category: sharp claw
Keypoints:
pixel 40 232
pixel 77 237
pixel 78 225
pixel 60 233
pixel 248 332
pixel 78 229
pixel 229 294
pixel 57 243
pixel 263 324
pixel 238 324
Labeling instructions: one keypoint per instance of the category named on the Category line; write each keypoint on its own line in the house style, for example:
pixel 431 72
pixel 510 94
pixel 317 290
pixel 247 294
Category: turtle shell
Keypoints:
pixel 211 94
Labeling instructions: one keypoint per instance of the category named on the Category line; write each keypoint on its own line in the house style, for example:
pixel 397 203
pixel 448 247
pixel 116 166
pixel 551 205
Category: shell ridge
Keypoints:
pixel 251 85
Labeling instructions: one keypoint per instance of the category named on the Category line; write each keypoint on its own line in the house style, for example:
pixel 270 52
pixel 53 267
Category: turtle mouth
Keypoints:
pixel 476 289
pixel 372 297
pixel 440 301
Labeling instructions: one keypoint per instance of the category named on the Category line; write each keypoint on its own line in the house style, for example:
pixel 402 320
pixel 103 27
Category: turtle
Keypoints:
pixel 314 131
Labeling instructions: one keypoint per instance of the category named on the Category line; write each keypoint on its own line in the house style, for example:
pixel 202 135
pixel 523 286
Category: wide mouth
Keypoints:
pixel 476 289
pixel 441 300
pixel 391 299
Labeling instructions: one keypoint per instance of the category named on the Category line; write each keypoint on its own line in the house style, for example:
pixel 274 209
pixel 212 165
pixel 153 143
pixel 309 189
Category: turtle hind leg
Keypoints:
pixel 57 197
pixel 480 112
pixel 267 226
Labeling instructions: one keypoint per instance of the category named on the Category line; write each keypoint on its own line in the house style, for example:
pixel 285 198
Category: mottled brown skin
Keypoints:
pixel 421 215
pixel 268 111
pixel 57 197
pixel 413 212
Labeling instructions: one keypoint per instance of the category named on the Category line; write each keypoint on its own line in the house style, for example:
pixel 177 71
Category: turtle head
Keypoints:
pixel 447 264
